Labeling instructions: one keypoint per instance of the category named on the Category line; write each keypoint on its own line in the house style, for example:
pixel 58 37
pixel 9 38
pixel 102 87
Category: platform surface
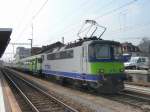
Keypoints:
pixel 2 105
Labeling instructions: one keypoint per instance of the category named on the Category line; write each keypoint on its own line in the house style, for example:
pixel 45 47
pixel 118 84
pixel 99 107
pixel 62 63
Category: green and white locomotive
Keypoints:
pixel 92 62
pixel 89 61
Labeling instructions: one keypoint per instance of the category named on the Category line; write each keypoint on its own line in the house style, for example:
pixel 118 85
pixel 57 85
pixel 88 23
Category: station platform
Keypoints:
pixel 2 103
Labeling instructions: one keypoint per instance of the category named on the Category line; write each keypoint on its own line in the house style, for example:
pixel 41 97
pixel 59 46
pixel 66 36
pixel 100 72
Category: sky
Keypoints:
pixel 125 20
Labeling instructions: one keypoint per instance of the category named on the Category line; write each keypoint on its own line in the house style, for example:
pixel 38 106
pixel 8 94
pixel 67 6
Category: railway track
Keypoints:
pixel 34 99
pixel 140 89
pixel 132 98
pixel 129 97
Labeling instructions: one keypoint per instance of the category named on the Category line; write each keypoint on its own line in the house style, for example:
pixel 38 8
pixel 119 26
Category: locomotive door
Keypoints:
pixel 84 59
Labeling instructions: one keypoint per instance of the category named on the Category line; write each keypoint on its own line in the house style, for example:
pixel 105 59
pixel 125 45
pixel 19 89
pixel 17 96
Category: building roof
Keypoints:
pixel 49 48
pixel 4 39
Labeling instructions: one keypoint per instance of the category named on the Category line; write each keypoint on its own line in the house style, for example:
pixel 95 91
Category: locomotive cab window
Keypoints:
pixel 117 52
pixel 99 51
pixel 102 51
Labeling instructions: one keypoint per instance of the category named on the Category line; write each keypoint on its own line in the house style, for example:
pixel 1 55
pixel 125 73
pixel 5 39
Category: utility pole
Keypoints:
pixel 149 56
pixel 31 45
pixel 31 38
pixel 32 31
pixel 63 40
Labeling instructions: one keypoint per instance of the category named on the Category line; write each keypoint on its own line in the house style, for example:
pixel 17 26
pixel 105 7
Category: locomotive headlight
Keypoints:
pixel 101 70
pixel 121 70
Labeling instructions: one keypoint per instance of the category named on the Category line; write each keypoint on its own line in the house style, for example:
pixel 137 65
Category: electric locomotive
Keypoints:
pixel 93 62
pixel 90 61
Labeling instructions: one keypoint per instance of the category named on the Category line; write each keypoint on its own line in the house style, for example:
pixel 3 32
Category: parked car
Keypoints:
pixel 137 63
pixel 126 57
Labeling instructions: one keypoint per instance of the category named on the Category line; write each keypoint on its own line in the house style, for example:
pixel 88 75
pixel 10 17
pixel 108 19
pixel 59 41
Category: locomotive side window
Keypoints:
pixel 51 56
pixel 60 55
pixel 70 54
pixel 57 56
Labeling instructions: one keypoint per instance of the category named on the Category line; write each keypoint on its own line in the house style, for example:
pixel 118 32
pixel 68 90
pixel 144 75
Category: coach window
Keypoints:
pixel 39 60
pixel 143 60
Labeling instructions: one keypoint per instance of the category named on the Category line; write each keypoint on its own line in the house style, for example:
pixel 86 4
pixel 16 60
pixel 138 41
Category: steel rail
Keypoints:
pixel 139 89
pixel 21 92
pixel 70 109
pixel 136 96
pixel 132 99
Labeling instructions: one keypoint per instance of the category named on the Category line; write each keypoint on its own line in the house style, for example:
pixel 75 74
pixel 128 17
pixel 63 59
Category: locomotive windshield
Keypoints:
pixel 104 51
pixel 117 52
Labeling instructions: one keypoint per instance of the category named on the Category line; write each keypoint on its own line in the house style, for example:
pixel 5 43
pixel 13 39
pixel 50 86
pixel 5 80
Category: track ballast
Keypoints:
pixel 132 98
pixel 34 97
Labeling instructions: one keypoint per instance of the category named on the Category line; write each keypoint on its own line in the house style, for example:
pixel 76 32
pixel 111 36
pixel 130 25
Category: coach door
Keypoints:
pixel 84 59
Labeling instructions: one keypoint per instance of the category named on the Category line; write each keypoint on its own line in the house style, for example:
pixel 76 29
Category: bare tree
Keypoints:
pixel 144 46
